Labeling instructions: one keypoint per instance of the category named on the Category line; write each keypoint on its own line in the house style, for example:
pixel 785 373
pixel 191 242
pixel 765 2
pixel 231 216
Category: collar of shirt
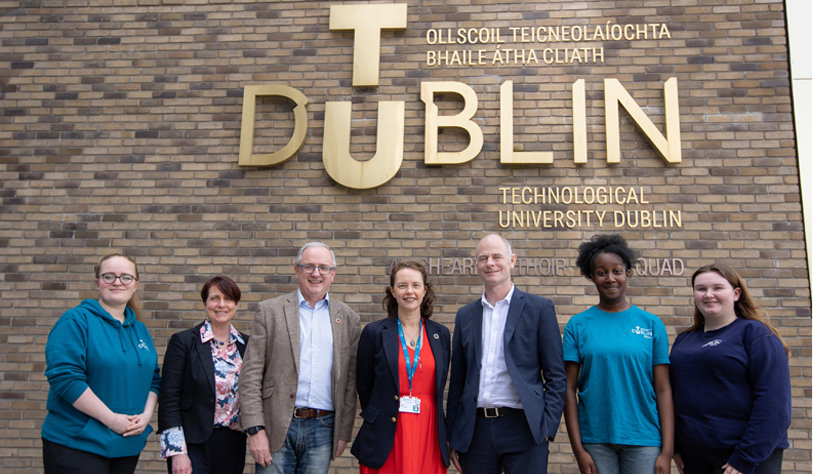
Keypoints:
pixel 207 335
pixel 507 299
pixel 301 300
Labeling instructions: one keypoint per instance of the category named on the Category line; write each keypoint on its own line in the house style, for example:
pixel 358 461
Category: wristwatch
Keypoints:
pixel 254 430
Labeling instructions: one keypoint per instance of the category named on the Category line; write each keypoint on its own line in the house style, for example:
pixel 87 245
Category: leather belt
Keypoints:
pixel 304 412
pixel 496 412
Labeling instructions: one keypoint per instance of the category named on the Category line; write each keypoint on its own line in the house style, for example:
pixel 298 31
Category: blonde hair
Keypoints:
pixel 134 303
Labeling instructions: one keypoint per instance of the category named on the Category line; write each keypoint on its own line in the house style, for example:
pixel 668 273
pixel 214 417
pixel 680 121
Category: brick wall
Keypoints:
pixel 120 131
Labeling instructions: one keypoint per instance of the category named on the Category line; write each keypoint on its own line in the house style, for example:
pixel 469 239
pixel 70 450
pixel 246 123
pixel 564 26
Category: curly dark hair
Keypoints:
pixel 390 304
pixel 603 243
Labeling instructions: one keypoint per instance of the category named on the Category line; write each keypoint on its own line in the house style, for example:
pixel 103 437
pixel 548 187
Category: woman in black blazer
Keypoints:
pixel 199 409
pixel 403 434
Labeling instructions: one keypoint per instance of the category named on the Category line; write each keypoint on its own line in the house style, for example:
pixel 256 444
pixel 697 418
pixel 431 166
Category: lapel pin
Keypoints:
pixel 436 336
pixel 338 320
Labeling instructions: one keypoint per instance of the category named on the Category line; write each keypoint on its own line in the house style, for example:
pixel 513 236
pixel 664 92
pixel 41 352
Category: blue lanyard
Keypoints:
pixel 411 367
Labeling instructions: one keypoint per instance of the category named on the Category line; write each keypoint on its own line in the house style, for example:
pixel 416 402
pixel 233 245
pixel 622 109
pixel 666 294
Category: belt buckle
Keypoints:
pixel 495 415
pixel 295 412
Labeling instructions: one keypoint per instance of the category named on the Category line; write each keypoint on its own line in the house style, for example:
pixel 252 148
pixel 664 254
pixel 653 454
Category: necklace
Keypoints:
pixel 411 340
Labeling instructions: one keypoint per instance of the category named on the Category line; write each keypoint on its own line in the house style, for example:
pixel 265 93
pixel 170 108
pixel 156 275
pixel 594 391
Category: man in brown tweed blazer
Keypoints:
pixel 298 382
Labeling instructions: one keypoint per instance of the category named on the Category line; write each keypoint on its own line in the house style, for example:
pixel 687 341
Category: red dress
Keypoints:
pixel 415 449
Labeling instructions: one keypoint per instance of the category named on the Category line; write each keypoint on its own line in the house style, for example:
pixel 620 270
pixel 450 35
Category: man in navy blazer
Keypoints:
pixel 507 384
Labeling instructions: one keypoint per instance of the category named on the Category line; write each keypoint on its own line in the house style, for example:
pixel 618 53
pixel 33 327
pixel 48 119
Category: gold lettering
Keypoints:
pixel 571 219
pixel 517 217
pixel 507 219
pixel 367 21
pixel 675 219
pixel 600 216
pixel 507 153
pixel 558 216
pixel 523 195
pixel 461 120
pixel 250 94
pixel 618 215
pixel 389 155
pixel 669 147
pixel 504 195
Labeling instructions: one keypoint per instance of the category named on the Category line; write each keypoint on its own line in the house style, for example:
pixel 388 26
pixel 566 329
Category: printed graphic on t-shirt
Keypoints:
pixel 713 343
pixel 647 333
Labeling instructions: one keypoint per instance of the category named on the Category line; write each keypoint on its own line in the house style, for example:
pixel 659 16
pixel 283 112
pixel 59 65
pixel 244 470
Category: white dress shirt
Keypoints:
pixel 496 387
pixel 315 355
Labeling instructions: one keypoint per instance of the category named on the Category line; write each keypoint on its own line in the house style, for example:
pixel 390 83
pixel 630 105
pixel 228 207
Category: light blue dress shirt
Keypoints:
pixel 315 355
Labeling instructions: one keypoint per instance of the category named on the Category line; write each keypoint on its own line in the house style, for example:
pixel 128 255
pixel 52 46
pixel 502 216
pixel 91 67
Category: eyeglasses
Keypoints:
pixel 111 278
pixel 323 269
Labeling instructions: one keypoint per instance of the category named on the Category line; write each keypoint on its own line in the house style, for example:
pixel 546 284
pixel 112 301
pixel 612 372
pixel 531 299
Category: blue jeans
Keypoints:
pixel 623 458
pixel 308 448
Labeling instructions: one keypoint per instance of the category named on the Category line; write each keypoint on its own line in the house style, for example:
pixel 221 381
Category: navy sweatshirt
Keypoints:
pixel 732 391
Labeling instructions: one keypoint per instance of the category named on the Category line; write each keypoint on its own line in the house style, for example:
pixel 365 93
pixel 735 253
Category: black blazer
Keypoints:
pixel 378 382
pixel 187 396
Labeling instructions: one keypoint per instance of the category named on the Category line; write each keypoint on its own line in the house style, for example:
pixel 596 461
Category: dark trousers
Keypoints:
pixel 59 459
pixel 223 453
pixel 504 444
pixel 711 461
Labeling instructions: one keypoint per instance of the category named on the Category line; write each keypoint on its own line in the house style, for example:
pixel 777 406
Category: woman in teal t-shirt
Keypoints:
pixel 616 359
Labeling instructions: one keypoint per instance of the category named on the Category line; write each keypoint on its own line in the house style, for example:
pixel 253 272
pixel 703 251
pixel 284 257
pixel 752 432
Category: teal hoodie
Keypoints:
pixel 90 348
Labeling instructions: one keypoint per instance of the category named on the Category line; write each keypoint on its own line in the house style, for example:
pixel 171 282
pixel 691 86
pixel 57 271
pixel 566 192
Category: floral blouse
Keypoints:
pixel 227 362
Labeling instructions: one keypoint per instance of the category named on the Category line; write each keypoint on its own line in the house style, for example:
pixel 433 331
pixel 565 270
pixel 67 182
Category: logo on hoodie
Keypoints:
pixel 143 345
pixel 713 343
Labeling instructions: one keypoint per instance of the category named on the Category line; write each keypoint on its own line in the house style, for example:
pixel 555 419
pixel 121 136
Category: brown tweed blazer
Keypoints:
pixel 271 369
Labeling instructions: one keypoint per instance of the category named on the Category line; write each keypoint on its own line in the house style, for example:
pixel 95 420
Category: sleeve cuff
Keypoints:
pixel 75 391
pixel 740 464
pixel 173 442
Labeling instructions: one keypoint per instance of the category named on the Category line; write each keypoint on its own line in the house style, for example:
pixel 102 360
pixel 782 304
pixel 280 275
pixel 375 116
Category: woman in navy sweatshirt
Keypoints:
pixel 104 378
pixel 731 382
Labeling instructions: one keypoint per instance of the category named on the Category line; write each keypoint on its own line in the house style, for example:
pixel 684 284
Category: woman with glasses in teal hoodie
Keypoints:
pixel 104 378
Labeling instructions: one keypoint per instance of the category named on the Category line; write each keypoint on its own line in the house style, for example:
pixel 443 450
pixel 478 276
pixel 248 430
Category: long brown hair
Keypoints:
pixel 134 303
pixel 390 304
pixel 744 307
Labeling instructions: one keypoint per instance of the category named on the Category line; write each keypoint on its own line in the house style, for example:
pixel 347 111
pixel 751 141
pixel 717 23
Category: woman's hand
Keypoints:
pixel 663 465
pixel 730 470
pixel 118 423
pixel 135 424
pixel 585 461
pixel 181 464
pixel 678 462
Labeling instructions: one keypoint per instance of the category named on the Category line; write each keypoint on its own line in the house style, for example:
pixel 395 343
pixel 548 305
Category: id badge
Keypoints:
pixel 410 405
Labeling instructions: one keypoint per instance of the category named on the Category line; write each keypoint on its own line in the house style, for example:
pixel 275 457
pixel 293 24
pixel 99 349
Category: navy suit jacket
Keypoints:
pixel 378 382
pixel 533 354
pixel 187 396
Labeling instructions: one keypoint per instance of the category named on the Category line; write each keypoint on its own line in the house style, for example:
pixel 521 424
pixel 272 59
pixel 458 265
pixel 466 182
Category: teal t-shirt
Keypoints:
pixel 617 351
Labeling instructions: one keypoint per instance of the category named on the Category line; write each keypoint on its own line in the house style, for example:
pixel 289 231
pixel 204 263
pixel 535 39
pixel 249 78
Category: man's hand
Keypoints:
pixel 340 447
pixel 455 461
pixel 260 451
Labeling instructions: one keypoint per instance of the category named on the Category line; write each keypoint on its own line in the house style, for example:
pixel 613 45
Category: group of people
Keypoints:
pixel 719 403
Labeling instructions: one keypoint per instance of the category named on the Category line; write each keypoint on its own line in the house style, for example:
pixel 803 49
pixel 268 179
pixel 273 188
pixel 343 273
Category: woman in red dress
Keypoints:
pixel 401 392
